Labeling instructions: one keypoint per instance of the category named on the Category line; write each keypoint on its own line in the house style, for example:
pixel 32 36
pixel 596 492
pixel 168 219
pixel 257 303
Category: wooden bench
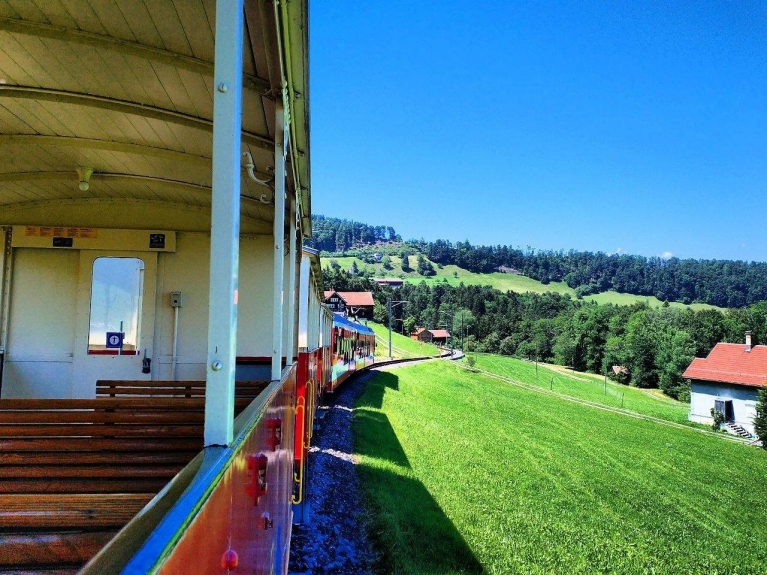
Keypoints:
pixel 117 388
pixel 74 471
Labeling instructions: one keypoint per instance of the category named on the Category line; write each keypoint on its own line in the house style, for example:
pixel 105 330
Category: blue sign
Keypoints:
pixel 115 340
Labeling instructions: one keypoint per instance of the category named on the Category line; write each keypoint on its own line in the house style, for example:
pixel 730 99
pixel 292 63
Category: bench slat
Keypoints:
pixel 117 417
pixel 93 471
pixel 51 548
pixel 48 404
pixel 170 383
pixel 100 430
pixel 70 510
pixel 96 444
pixel 74 485
pixel 99 457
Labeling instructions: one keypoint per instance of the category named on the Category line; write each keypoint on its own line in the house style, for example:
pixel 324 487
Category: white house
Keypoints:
pixel 729 380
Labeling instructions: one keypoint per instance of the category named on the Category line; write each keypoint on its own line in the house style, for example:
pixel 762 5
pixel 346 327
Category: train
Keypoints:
pixel 163 341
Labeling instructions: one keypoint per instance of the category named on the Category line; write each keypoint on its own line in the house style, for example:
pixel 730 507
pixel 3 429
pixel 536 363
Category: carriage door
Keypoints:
pixel 115 318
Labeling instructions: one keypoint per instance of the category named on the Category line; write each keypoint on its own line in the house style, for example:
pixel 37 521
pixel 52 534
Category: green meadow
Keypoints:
pixel 463 473
pixel 402 346
pixel 454 276
pixel 586 386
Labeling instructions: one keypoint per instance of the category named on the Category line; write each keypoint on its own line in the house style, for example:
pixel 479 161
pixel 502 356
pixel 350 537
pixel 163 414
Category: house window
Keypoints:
pixel 116 292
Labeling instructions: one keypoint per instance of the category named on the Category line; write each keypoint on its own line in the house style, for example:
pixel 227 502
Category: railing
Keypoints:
pixel 229 506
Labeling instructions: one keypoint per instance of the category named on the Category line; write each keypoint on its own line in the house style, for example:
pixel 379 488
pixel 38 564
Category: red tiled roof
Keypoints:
pixel 328 293
pixel 357 297
pixel 439 333
pixel 731 363
pixel 419 331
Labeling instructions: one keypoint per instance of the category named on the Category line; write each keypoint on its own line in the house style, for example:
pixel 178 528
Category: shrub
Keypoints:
pixel 471 361
pixel 718 419
pixel 760 419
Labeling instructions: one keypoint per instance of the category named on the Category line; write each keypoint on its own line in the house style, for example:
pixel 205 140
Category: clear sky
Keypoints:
pixel 635 127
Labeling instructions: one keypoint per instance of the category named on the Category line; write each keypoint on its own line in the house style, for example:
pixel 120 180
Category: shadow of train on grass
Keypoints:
pixel 410 531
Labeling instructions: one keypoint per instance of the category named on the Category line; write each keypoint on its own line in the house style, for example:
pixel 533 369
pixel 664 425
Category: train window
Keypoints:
pixel 116 291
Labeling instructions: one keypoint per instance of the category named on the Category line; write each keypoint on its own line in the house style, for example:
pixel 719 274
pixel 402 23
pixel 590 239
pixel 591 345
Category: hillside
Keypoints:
pixel 454 276
pixel 724 283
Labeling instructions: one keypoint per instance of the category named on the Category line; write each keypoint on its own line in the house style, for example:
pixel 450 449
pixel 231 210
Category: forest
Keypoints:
pixel 339 235
pixel 723 283
pixel 653 345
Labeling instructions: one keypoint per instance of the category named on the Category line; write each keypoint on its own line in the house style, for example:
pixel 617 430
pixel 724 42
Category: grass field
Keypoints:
pixel 466 474
pixel 454 275
pixel 402 346
pixel 587 386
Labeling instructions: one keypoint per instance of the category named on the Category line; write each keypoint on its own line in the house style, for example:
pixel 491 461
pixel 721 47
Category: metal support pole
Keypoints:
pixel 225 224
pixel 388 306
pixel 291 327
pixel 279 238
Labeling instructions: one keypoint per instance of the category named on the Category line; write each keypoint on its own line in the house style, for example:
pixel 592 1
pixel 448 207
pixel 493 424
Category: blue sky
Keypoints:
pixel 634 127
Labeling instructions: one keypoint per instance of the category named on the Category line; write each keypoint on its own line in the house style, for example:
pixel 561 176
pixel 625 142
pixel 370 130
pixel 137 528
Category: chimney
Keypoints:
pixel 748 341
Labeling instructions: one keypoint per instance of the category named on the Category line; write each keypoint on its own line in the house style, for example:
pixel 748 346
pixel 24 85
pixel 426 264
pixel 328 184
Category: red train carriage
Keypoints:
pixel 352 348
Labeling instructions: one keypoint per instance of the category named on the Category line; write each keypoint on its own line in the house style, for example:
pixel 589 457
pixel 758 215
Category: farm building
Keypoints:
pixel 351 303
pixel 437 336
pixel 390 282
pixel 421 334
pixel 729 380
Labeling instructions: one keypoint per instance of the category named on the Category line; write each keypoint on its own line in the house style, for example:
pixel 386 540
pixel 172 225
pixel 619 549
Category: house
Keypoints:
pixel 728 379
pixel 436 336
pixel 351 303
pixel 390 282
pixel 421 334
pixel 439 336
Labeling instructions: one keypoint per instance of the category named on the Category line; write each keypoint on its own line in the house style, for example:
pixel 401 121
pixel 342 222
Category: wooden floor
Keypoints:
pixel 75 471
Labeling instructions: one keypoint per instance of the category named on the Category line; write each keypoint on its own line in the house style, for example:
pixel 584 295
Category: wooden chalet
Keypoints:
pixel 350 303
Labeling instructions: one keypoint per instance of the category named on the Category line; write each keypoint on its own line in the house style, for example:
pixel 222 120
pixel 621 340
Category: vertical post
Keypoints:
pixel 225 224
pixel 280 138
pixel 388 307
pixel 291 349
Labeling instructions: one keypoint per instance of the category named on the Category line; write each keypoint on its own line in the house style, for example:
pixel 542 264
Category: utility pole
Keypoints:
pixel 451 315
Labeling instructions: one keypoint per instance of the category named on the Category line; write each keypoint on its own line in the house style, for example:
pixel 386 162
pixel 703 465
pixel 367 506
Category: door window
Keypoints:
pixel 115 312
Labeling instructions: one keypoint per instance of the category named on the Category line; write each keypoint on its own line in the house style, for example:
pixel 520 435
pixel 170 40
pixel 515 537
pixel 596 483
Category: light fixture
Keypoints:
pixel 250 167
pixel 85 176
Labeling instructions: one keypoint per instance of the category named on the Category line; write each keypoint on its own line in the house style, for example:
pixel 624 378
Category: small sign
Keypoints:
pixel 115 340
pixel 157 241
pixel 52 232
pixel 59 242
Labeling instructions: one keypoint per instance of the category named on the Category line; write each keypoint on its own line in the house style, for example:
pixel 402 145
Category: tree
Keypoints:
pixel 354 270
pixel 424 266
pixel 675 352
pixel 386 263
pixel 760 419
pixel 406 262
pixel 380 314
pixel 409 325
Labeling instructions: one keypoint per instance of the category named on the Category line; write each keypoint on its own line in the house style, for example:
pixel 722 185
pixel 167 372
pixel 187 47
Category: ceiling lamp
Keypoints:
pixel 85 176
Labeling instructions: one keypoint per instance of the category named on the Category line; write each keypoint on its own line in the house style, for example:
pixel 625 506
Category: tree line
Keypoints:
pixel 653 345
pixel 340 235
pixel 723 283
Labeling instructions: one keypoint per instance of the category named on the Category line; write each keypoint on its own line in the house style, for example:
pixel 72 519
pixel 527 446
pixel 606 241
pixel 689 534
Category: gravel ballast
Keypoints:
pixel 334 540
